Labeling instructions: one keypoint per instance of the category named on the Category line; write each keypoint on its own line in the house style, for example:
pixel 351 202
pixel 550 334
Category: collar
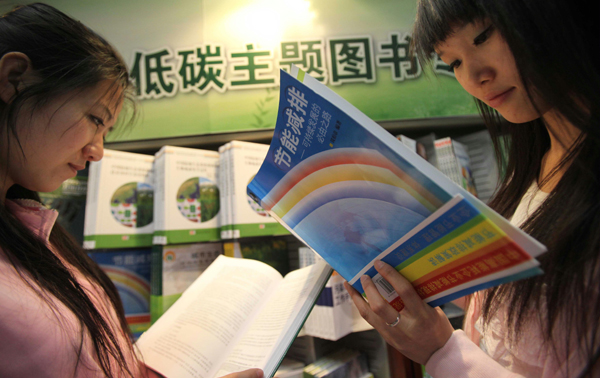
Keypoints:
pixel 35 216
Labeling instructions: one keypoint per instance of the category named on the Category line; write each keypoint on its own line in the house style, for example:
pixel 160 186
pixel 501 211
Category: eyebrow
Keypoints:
pixel 107 111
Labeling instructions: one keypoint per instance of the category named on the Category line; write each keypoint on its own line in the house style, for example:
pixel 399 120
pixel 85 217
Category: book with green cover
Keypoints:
pixel 186 197
pixel 246 218
pixel 69 201
pixel 119 202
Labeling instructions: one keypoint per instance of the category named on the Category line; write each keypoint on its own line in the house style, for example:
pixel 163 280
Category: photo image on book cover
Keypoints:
pixel 198 199
pixel 131 204
pixel 354 194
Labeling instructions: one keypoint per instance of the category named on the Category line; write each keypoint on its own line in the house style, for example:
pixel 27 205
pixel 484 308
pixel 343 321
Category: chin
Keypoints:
pixel 520 118
pixel 46 188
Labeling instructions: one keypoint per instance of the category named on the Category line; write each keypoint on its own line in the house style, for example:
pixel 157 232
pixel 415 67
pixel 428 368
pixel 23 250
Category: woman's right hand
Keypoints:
pixel 250 373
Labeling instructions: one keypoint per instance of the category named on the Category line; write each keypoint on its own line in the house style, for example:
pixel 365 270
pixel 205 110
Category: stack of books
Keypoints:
pixel 242 216
pixel 118 227
pixel 186 238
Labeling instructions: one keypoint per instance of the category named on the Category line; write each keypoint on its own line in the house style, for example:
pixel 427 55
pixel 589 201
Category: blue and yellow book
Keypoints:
pixel 355 194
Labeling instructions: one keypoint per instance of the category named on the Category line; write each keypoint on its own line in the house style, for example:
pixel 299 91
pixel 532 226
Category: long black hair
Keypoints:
pixel 68 57
pixel 555 46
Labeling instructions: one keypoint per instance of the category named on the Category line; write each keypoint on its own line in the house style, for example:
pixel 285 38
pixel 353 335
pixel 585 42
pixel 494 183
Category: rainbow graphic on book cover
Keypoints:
pixel 355 195
pixel 129 270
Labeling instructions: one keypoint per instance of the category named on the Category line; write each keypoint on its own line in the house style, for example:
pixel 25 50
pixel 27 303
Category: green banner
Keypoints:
pixel 212 66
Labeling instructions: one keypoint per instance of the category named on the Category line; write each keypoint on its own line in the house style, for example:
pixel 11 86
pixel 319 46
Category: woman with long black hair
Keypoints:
pixel 533 68
pixel 62 88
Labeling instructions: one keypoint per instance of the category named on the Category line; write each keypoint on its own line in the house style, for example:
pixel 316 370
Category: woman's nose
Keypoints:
pixel 94 151
pixel 480 73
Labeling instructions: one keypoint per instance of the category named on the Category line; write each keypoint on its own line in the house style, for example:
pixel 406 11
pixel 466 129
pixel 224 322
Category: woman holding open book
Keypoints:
pixel 62 88
pixel 535 63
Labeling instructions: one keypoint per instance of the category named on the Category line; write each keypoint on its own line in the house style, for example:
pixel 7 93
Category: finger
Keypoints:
pixel 363 307
pixel 250 373
pixel 403 287
pixel 378 304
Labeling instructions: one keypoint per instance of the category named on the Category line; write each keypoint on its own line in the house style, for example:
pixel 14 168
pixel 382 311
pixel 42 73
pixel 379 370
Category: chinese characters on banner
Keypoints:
pixel 335 61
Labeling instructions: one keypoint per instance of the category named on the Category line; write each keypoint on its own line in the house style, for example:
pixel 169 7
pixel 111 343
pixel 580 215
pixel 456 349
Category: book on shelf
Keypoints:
pixel 355 194
pixel 344 363
pixel 480 148
pixel 270 250
pixel 334 316
pixel 484 167
pixel 224 193
pixel 186 196
pixel 119 202
pixel 174 269
pixel 129 270
pixel 428 148
pixel 244 217
pixel 69 200
pixel 239 314
pixel 290 368
pixel 453 160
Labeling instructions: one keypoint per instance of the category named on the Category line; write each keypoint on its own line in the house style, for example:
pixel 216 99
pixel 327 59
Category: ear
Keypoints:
pixel 15 72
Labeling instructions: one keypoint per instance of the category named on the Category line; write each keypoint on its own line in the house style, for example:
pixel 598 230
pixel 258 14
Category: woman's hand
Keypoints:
pixel 250 373
pixel 421 329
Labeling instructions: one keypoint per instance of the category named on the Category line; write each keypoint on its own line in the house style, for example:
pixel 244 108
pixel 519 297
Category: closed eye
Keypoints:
pixel 484 36
pixel 453 65
pixel 97 121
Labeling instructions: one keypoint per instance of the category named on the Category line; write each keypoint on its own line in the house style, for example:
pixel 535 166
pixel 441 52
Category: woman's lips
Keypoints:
pixel 76 167
pixel 495 100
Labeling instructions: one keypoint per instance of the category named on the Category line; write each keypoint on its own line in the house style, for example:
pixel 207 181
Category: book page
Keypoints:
pixel 277 324
pixel 193 337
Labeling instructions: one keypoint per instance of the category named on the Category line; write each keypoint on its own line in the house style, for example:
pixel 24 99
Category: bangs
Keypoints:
pixel 435 21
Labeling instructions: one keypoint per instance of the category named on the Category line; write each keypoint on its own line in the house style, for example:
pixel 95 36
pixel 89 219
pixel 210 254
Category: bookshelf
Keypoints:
pixel 384 361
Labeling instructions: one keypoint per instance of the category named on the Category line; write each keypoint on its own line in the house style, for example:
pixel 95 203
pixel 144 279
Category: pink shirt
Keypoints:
pixel 36 340
pixel 484 351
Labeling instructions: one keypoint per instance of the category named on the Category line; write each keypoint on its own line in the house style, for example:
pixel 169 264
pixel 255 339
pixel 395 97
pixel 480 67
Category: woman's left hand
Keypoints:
pixel 421 329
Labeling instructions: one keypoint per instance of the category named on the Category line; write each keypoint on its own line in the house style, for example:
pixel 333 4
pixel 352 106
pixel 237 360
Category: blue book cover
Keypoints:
pixel 354 194
pixel 129 270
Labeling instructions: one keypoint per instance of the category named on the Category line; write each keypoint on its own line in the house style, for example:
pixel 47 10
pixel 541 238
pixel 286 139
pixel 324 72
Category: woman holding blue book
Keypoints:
pixel 534 63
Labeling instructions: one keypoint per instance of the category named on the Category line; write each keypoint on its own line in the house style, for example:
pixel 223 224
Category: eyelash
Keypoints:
pixel 452 66
pixel 97 121
pixel 481 38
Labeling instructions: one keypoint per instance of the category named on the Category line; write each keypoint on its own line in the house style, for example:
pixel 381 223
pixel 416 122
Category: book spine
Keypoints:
pixel 91 204
pixel 234 152
pixel 159 197
pixel 230 190
pixel 156 283
pixel 442 149
pixel 225 172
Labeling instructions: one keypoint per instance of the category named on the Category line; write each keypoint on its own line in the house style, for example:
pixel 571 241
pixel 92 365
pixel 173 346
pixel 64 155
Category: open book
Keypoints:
pixel 355 194
pixel 238 314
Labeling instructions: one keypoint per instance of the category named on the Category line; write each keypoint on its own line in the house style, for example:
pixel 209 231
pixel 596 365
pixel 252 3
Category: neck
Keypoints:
pixel 563 135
